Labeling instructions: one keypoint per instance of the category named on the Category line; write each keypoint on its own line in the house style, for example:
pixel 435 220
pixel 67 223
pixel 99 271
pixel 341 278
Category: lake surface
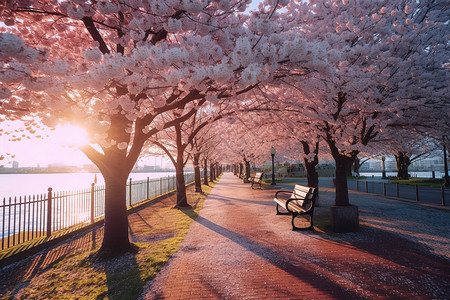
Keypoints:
pixel 12 185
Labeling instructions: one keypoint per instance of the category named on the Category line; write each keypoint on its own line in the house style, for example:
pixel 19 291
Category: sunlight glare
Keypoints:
pixel 70 135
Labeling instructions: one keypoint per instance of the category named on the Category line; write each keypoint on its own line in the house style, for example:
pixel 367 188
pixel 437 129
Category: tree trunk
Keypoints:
pixel 181 185
pixel 343 163
pixel 197 177
pixel 212 176
pixel 205 171
pixel 403 161
pixel 349 170
pixel 356 165
pixel 247 171
pixel 312 177
pixel 115 239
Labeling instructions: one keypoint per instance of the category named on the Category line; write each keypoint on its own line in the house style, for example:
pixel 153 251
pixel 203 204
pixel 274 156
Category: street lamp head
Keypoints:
pixel 383 158
pixel 272 151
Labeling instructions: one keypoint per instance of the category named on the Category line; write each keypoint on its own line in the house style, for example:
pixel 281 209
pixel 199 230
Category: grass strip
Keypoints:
pixel 157 232
pixel 419 181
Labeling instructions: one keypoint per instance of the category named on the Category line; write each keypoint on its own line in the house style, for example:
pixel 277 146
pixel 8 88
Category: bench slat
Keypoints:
pixel 294 207
pixel 299 195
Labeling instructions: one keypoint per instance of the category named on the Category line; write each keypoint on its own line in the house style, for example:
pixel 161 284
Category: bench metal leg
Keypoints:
pixel 310 227
pixel 253 183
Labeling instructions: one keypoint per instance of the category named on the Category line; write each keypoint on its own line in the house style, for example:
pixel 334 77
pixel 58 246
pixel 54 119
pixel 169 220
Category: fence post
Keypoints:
pixel 3 223
pixel 130 193
pixel 443 195
pixel 49 212
pixel 92 201
pixel 357 185
pixel 367 186
pixel 9 219
pixel 148 188
pixel 398 190
pixel 384 188
pixel 417 192
pixel 160 186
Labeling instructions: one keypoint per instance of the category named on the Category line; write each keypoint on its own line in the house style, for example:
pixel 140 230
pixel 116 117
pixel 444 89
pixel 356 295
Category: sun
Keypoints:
pixel 71 135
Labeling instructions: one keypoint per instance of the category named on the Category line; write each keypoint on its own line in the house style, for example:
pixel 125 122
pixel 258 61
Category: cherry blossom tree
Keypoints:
pixel 299 137
pixel 115 67
pixel 202 144
pixel 372 46
pixel 357 163
pixel 179 143
pixel 407 146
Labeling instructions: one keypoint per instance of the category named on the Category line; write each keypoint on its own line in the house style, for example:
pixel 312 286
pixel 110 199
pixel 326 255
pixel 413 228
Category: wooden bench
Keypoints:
pixel 300 202
pixel 257 179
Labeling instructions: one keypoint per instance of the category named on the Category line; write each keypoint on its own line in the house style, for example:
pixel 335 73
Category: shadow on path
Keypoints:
pixel 387 264
pixel 231 200
pixel 10 275
pixel 280 261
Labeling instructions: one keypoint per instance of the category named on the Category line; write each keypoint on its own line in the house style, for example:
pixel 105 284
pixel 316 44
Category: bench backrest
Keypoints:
pixel 302 193
pixel 258 176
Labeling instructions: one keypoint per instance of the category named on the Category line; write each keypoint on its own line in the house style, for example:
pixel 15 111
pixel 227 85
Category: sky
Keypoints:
pixel 59 148
pixel 55 149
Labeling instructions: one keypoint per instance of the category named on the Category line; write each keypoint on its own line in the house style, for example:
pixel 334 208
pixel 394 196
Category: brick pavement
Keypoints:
pixel 239 249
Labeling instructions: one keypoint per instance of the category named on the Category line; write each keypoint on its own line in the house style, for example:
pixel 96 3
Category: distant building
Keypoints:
pixel 427 164
pixel 148 168
pixel 62 168
pixel 15 164
pixel 90 168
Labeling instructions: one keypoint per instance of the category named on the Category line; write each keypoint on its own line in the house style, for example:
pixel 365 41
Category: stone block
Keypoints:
pixel 344 218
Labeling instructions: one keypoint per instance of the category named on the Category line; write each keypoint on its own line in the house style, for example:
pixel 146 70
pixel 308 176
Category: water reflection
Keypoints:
pixel 12 185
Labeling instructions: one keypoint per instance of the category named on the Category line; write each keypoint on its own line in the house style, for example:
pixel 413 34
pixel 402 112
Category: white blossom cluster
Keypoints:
pixel 345 46
pixel 11 45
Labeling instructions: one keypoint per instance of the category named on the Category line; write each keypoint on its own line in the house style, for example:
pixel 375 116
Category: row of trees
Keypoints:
pixel 381 98
pixel 197 77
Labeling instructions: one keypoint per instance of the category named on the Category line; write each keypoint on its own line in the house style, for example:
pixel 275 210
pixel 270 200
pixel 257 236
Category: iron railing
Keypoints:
pixel 425 194
pixel 25 218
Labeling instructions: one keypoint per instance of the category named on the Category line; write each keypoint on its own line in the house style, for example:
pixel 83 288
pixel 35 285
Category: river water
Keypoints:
pixel 426 174
pixel 12 185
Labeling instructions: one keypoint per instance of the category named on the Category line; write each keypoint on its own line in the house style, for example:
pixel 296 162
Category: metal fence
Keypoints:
pixel 425 194
pixel 25 218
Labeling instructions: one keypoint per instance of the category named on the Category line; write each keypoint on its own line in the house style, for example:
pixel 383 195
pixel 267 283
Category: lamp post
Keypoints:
pixel 272 153
pixel 383 158
pixel 446 178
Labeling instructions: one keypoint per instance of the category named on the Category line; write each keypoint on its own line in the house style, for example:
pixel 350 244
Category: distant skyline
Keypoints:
pixel 51 150
pixel 31 152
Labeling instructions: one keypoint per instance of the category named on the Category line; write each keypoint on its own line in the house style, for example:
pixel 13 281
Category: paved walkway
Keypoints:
pixel 238 248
